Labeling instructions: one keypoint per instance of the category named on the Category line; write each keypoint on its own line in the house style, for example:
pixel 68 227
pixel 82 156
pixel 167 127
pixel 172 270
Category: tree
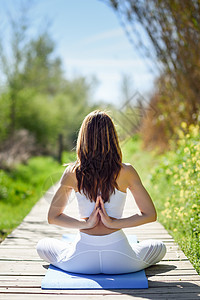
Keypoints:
pixel 30 64
pixel 11 67
pixel 37 97
pixel 41 70
pixel 173 27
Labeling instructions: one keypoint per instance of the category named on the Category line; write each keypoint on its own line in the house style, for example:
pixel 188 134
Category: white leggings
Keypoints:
pixel 108 254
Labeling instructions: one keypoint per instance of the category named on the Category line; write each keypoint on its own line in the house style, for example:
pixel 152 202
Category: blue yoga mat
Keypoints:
pixel 56 278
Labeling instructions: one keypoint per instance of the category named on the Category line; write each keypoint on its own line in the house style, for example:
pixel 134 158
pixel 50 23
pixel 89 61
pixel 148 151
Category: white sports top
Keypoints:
pixel 114 207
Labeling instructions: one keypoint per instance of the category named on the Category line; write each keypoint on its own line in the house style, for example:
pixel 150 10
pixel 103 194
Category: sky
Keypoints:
pixel 91 42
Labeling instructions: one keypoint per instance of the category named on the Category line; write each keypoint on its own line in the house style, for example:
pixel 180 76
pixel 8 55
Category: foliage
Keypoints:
pixel 157 127
pixel 47 118
pixel 21 188
pixel 176 190
pixel 172 180
pixel 172 31
pixel 143 161
pixel 41 69
pixel 4 117
pixel 37 96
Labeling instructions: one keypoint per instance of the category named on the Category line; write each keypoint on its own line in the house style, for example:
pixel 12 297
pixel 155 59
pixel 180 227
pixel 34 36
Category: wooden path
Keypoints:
pixel 21 270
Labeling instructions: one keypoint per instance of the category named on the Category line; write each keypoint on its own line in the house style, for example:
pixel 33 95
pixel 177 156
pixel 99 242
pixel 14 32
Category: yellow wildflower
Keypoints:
pixel 191 127
pixel 169 172
pixel 183 125
pixel 180 133
pixel 186 150
pixel 194 206
pixel 194 158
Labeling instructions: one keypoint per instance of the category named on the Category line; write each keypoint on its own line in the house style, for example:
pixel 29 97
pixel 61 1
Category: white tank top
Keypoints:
pixel 114 207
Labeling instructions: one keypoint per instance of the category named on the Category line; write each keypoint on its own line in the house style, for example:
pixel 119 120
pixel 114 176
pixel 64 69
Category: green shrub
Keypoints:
pixel 176 191
pixel 22 187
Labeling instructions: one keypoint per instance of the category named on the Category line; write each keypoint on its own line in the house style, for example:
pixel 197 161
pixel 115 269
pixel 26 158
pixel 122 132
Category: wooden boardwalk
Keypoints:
pixel 21 270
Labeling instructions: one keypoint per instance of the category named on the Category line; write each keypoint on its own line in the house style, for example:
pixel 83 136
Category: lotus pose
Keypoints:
pixel 100 181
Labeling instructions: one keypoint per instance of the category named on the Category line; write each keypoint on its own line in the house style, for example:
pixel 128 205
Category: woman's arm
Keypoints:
pixel 143 200
pixel 60 199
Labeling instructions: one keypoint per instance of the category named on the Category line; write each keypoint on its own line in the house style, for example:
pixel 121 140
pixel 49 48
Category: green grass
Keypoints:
pixel 173 182
pixel 143 161
pixel 22 187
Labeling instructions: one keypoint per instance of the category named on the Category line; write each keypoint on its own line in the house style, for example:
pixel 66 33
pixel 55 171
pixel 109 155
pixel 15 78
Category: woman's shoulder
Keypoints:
pixel 127 168
pixel 128 172
pixel 69 177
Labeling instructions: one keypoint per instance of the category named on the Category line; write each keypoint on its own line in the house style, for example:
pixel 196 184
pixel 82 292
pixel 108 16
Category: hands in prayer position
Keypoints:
pixel 99 214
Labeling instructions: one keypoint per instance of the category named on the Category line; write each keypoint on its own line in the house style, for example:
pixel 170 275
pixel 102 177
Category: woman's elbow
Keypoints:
pixel 154 216
pixel 151 217
pixel 50 219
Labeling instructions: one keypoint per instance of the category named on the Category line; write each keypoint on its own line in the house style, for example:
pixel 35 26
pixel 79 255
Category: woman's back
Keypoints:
pixel 119 197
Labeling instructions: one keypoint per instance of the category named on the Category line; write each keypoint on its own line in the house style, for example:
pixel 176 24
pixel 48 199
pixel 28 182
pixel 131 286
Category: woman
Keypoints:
pixel 100 180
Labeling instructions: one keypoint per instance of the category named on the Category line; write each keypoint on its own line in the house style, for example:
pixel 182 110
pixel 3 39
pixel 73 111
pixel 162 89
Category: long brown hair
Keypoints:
pixel 99 157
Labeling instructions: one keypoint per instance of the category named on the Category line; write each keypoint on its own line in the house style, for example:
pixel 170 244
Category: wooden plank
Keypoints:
pixel 31 296
pixel 23 268
pixel 19 254
pixel 165 284
pixel 156 277
pixel 14 296
pixel 163 277
pixel 178 264
pixel 35 281
pixel 17 280
pixel 64 295
pixel 176 290
pixel 142 293
pixel 175 272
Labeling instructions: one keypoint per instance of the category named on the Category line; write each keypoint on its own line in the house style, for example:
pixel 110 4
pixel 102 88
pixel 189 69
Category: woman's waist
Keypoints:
pixel 100 229
pixel 101 239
